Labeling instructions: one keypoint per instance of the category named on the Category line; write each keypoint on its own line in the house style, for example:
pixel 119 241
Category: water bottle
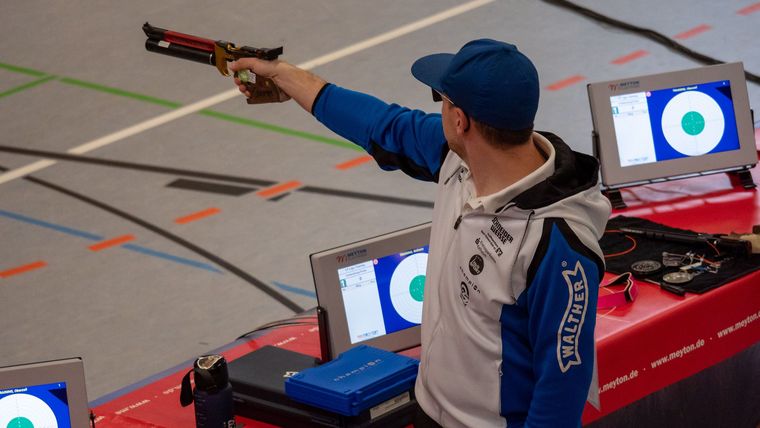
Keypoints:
pixel 212 394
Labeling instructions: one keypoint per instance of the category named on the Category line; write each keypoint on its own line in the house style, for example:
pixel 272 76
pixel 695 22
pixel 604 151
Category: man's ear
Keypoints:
pixel 462 121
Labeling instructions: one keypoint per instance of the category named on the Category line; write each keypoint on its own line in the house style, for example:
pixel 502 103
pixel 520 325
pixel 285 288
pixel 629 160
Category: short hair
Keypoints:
pixel 503 137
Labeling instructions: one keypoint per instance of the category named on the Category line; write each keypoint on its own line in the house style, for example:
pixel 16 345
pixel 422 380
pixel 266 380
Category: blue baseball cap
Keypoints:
pixel 490 80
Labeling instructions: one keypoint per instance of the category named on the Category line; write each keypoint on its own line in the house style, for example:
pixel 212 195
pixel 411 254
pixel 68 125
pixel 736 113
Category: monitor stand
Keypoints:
pixel 324 339
pixel 616 199
pixel 740 179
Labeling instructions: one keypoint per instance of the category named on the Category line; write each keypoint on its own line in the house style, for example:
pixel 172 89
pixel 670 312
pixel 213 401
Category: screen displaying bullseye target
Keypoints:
pixel 38 406
pixel 384 295
pixel 674 123
pixel 407 286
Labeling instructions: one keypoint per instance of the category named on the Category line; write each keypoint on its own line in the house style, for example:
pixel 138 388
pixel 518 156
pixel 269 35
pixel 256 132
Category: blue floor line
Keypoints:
pixel 57 228
pixel 142 250
pixel 170 257
pixel 295 290
pixel 93 237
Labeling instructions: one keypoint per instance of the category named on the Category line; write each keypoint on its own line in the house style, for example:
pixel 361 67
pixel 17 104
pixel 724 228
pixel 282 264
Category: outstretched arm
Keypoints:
pixel 397 137
pixel 301 85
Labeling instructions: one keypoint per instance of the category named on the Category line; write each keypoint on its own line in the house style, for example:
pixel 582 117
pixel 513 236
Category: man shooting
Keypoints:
pixel 514 264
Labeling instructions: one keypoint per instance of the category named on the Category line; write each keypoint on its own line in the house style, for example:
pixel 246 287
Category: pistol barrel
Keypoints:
pixel 180 51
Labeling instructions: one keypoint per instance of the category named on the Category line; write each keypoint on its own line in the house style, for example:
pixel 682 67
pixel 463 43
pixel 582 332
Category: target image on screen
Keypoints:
pixel 674 123
pixel 38 406
pixel 384 295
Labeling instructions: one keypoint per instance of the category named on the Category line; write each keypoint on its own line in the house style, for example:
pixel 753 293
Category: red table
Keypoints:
pixel 642 347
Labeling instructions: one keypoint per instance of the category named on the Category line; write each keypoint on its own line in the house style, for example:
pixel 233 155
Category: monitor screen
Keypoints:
pixel 383 295
pixel 672 124
pixel 372 290
pixel 44 394
pixel 44 405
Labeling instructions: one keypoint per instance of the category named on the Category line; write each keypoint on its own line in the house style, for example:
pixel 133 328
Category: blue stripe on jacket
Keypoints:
pixel 546 374
pixel 397 137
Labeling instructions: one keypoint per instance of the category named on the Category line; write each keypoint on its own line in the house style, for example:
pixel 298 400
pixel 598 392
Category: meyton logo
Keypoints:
pixel 624 85
pixel 351 255
pixel 570 328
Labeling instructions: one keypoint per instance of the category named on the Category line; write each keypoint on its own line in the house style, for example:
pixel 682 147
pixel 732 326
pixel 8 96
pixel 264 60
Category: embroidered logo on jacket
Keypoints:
pixel 570 328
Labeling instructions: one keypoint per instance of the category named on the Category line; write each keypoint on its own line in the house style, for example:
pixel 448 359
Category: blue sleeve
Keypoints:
pixel 561 303
pixel 397 137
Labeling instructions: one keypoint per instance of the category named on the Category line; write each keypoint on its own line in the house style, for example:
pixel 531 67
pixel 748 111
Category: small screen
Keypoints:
pixel 35 406
pixel 673 123
pixel 384 295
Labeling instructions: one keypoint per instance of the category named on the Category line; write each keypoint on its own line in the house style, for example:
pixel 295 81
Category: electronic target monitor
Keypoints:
pixel 672 125
pixel 46 394
pixel 372 290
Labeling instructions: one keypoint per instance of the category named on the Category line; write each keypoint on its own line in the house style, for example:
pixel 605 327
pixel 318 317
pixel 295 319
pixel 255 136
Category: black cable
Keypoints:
pixel 296 320
pixel 275 325
pixel 648 33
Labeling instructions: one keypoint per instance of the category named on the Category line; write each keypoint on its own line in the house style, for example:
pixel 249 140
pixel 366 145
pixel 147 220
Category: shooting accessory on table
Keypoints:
pixel 618 298
pixel 217 53
pixel 719 244
pixel 621 249
pixel 642 268
pixel 678 278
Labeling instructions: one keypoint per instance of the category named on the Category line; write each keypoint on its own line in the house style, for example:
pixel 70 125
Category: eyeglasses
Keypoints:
pixel 438 96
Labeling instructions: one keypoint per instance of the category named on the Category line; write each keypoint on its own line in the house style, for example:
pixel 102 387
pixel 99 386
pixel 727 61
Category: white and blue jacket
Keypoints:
pixel 512 281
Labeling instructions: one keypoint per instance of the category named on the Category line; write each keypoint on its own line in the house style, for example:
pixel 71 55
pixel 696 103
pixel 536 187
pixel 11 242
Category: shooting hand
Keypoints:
pixel 257 66
pixel 300 84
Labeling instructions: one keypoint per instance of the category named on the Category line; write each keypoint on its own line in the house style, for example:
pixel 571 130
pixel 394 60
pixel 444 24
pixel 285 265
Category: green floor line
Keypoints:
pixel 120 92
pixel 279 129
pixel 171 104
pixel 22 70
pixel 26 86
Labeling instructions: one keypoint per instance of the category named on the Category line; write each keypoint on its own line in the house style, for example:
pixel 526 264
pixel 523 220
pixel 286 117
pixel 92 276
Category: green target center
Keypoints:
pixel 417 287
pixel 20 422
pixel 693 123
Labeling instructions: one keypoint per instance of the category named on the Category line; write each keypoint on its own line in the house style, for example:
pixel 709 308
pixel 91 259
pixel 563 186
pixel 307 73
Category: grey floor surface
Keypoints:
pixel 75 72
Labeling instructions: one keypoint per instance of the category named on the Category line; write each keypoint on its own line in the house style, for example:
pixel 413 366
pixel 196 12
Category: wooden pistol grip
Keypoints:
pixel 263 90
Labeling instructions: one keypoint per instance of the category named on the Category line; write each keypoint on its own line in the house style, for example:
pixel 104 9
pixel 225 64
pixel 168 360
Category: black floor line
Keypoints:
pixel 136 166
pixel 209 187
pixel 365 196
pixel 278 197
pixel 174 238
pixel 213 176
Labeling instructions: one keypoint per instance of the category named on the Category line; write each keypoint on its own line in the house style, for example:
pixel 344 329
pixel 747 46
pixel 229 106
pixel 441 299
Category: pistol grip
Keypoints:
pixel 264 90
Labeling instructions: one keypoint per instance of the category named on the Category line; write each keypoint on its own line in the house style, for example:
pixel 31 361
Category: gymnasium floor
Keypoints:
pixel 149 215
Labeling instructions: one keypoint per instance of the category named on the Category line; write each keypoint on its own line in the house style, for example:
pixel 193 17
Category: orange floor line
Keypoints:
pixel 693 32
pixel 749 9
pixel 197 216
pixel 630 57
pixel 22 269
pixel 565 83
pixel 279 189
pixel 353 162
pixel 111 242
